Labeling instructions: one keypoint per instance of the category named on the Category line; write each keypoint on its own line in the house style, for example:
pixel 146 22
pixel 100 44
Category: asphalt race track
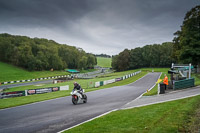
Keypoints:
pixel 58 114
pixel 85 75
pixel 25 84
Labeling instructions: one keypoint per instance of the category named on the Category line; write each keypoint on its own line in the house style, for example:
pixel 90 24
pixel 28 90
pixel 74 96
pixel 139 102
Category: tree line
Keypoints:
pixel 103 55
pixel 187 40
pixel 156 55
pixel 42 54
pixel 185 48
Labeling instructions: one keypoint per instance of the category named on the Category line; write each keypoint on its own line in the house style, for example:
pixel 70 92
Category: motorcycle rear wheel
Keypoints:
pixel 85 99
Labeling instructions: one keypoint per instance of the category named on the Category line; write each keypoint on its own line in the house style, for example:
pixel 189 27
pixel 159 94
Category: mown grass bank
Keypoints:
pixel 17 101
pixel 104 62
pixel 170 117
pixel 197 78
pixel 13 73
pixel 88 70
pixel 83 82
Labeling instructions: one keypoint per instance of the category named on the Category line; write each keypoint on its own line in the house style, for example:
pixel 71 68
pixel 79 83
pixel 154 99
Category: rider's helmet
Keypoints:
pixel 75 83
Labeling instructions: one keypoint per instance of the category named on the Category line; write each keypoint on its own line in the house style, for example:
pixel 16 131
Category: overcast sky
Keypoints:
pixel 97 26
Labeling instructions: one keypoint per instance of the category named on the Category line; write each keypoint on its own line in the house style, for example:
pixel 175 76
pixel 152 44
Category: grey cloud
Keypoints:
pixel 42 12
pixel 98 26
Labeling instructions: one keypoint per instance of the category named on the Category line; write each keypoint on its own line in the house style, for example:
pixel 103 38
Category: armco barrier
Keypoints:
pixel 12 94
pixel 41 90
pixel 105 82
pixel 97 84
pixel 32 91
pixel 110 81
pixel 62 88
pixel 29 80
pixel 117 79
pixel 101 83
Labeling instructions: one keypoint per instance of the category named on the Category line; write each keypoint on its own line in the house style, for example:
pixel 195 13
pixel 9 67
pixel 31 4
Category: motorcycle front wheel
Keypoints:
pixel 74 100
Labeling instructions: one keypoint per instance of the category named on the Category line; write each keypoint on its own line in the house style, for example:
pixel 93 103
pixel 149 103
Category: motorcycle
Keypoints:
pixel 78 98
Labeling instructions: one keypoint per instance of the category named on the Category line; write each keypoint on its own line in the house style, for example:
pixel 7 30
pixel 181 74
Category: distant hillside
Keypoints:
pixel 104 62
pixel 103 55
pixel 42 54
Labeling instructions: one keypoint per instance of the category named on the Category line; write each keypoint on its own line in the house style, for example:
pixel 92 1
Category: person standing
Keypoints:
pixel 165 81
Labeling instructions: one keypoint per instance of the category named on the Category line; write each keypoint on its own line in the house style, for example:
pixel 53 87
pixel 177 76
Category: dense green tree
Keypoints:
pixel 187 40
pixel 83 62
pixel 115 62
pixel 103 55
pixel 148 56
pixel 136 58
pixel 4 48
pixel 155 55
pixel 166 50
pixel 42 54
pixel 123 60
pixel 91 61
pixel 25 55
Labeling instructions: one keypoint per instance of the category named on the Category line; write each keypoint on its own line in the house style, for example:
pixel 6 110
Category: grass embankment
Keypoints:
pixel 175 116
pixel 13 73
pixel 16 101
pixel 104 62
pixel 83 82
pixel 88 70
pixel 197 78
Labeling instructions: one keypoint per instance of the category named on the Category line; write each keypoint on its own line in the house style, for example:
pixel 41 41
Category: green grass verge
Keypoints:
pixel 153 91
pixel 164 71
pixel 12 73
pixel 197 78
pixel 170 117
pixel 16 101
pixel 88 70
pixel 155 69
pixel 83 82
pixel 104 62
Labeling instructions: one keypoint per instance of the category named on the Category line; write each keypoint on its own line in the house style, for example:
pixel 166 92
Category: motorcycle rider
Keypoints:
pixel 78 88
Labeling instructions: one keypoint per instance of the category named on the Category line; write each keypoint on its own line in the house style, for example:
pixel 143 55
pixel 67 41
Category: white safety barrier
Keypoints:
pixel 100 83
pixel 124 77
pixel 105 82
pixel 110 81
pixel 97 84
pixel 62 88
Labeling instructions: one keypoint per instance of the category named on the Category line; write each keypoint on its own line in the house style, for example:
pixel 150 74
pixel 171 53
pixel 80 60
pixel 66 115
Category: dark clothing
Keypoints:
pixel 77 87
